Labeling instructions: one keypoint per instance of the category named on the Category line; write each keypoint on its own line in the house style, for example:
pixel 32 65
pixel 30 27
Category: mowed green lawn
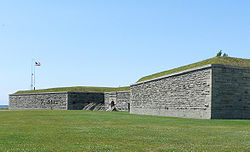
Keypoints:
pixel 117 131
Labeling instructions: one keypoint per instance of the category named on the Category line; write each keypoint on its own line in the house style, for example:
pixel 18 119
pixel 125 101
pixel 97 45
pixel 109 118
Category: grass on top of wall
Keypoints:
pixel 101 131
pixel 76 89
pixel 215 60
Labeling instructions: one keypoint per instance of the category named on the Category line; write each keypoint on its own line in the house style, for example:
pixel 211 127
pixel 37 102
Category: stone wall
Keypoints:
pixel 108 98
pixel 184 94
pixel 209 92
pixel 120 99
pixel 56 100
pixel 231 92
pixel 78 100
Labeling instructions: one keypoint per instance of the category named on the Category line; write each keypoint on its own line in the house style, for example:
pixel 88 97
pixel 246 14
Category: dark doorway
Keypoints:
pixel 128 106
pixel 112 104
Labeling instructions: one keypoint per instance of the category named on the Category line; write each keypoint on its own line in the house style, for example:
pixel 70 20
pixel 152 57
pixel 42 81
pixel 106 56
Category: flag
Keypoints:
pixel 37 64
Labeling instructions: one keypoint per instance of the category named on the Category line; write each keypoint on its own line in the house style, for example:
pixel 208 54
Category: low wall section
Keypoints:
pixel 78 100
pixel 121 100
pixel 54 100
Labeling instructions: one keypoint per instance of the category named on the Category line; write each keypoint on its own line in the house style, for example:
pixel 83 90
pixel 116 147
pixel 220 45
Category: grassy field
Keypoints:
pixel 76 89
pixel 117 131
pixel 215 60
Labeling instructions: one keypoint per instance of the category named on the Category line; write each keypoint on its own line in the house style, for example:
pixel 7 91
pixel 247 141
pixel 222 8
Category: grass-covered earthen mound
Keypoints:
pixel 75 89
pixel 215 60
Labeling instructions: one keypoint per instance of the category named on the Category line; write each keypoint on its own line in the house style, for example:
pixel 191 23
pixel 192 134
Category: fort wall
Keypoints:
pixel 78 100
pixel 183 94
pixel 120 99
pixel 207 92
pixel 231 92
pixel 54 100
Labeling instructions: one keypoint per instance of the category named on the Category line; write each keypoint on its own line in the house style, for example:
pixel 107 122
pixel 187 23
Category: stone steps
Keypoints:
pixel 95 107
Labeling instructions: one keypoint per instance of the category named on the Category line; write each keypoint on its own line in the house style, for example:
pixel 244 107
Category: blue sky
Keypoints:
pixel 113 42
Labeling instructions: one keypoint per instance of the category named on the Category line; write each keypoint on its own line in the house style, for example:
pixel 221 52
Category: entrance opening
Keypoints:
pixel 112 104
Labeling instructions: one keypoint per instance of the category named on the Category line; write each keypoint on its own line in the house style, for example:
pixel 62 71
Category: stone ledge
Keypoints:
pixel 118 91
pixel 229 66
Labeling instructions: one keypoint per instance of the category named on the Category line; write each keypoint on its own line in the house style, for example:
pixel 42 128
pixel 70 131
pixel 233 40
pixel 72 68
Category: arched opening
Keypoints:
pixel 112 104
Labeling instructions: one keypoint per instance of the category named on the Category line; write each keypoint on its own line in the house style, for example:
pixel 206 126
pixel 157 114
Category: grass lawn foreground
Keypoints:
pixel 44 130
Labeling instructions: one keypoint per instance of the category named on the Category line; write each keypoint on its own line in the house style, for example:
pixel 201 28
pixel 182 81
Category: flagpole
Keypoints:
pixel 31 86
pixel 34 77
pixel 34 74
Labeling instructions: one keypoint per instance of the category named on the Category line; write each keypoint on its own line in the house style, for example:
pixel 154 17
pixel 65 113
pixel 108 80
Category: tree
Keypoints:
pixel 219 53
pixel 225 55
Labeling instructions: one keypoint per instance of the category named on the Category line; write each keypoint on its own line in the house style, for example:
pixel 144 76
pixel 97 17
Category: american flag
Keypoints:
pixel 37 64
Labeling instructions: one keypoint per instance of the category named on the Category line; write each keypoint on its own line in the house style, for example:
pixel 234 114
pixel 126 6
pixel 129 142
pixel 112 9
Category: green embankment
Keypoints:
pixel 41 131
pixel 76 89
pixel 215 60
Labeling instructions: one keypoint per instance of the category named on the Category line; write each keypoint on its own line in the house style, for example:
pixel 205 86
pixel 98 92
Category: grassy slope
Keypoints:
pixel 215 60
pixel 117 131
pixel 76 89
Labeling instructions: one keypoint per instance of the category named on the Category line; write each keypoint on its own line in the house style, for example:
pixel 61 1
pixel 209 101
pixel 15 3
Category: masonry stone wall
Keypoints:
pixel 121 100
pixel 231 92
pixel 209 92
pixel 184 94
pixel 78 100
pixel 108 98
pixel 56 100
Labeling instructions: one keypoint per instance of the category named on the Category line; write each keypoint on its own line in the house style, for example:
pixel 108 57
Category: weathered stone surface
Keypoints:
pixel 208 92
pixel 38 101
pixel 77 100
pixel 120 99
pixel 231 92
pixel 181 95
pixel 54 100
